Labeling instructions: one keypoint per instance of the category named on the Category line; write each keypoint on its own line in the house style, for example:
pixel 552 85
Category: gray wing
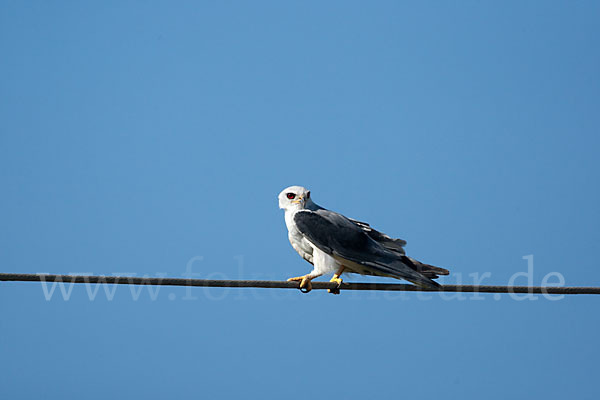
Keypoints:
pixel 336 235
pixel 395 245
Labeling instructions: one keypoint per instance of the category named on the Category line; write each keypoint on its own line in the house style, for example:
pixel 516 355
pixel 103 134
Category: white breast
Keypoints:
pixel 299 243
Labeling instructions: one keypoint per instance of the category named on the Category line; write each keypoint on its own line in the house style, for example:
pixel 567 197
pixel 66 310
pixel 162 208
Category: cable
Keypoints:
pixel 130 280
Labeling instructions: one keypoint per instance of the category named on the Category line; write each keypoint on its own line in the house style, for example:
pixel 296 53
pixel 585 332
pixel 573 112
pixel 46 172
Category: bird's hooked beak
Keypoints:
pixel 299 200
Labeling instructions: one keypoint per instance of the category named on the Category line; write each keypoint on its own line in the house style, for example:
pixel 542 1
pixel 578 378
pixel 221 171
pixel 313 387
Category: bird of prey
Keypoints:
pixel 336 244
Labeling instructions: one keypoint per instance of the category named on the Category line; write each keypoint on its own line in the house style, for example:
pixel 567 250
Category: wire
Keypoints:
pixel 130 280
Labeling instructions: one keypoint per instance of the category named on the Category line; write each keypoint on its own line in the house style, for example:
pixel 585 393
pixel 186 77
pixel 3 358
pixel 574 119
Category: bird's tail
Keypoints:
pixel 424 282
pixel 429 271
pixel 404 268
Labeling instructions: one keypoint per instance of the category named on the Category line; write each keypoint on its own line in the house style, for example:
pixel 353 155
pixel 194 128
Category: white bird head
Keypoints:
pixel 294 198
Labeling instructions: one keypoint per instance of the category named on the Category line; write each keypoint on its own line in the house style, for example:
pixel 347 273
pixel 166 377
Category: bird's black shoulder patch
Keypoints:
pixel 330 230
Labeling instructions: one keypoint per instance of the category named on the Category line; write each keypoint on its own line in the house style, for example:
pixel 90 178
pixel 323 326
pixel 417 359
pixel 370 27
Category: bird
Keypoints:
pixel 335 244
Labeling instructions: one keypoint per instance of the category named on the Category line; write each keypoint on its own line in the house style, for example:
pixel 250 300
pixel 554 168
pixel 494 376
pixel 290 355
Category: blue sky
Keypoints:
pixel 151 137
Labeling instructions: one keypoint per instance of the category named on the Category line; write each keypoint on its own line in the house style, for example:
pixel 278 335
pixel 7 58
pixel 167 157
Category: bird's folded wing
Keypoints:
pixel 390 243
pixel 336 235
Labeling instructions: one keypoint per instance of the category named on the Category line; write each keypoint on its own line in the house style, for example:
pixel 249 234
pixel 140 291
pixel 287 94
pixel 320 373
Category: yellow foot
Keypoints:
pixel 337 280
pixel 305 285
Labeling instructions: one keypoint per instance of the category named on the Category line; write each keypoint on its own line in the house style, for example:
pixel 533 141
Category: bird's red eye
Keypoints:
pixel 290 196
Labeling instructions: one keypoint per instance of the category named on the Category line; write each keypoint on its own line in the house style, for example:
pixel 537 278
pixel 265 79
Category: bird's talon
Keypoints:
pixel 339 284
pixel 305 285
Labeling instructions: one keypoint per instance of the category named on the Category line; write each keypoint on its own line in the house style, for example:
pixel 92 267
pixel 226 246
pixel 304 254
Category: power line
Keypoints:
pixel 154 281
